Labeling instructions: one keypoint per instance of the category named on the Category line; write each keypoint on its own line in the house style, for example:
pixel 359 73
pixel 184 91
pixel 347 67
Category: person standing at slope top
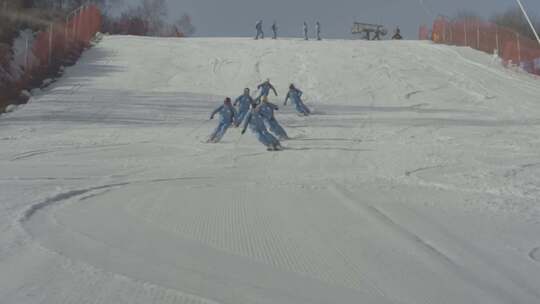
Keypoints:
pixel 295 95
pixel 267 109
pixel 274 30
pixel 255 122
pixel 305 31
pixel 265 88
pixel 243 102
pixel 318 29
pixel 397 34
pixel 259 28
pixel 227 115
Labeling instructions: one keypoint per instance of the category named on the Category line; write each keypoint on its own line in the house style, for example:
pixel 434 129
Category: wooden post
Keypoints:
pixel 79 13
pixel 74 19
pixel 518 48
pixel 497 39
pixel 451 33
pixel 26 56
pixel 51 28
pixel 444 32
pixel 465 31
pixel 478 34
pixel 66 36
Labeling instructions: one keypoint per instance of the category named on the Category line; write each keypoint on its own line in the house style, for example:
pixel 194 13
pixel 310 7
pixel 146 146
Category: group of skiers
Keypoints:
pixel 257 114
pixel 260 32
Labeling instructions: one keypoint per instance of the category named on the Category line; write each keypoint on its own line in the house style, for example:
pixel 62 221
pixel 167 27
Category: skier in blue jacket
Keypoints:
pixel 265 88
pixel 267 112
pixel 227 115
pixel 243 102
pixel 259 27
pixel 305 31
pixel 274 30
pixel 295 95
pixel 255 122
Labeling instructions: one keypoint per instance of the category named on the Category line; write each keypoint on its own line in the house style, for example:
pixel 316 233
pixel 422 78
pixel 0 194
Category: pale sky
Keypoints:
pixel 236 18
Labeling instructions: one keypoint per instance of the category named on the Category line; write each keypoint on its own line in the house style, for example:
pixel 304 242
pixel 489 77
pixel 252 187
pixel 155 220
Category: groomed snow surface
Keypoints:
pixel 416 181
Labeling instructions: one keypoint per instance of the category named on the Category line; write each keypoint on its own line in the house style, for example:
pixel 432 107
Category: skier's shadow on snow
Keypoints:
pixel 329 139
pixel 357 109
pixel 326 149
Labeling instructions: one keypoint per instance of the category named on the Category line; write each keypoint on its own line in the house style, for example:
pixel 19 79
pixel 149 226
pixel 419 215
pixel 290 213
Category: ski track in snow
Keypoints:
pixel 31 154
pixel 409 173
pixel 74 193
pixel 130 206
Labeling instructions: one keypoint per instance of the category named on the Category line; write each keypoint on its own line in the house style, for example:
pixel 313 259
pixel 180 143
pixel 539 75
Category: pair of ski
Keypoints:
pixel 274 147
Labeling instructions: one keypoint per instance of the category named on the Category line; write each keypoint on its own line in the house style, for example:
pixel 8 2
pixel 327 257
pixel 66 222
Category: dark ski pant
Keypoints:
pixel 260 34
pixel 276 128
pixel 301 107
pixel 219 132
pixel 266 138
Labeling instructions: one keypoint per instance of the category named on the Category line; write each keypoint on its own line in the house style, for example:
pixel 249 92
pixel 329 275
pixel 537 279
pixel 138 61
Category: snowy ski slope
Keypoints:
pixel 416 181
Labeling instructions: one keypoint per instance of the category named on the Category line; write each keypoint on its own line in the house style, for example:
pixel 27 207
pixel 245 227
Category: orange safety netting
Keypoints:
pixel 58 44
pixel 511 47
pixel 423 33
pixel 59 40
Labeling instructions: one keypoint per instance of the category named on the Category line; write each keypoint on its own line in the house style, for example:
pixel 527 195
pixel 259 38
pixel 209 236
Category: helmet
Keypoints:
pixel 291 86
pixel 227 100
pixel 246 90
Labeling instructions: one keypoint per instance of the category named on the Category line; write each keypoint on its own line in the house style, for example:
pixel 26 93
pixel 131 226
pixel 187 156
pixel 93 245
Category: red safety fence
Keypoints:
pixel 58 44
pixel 60 41
pixel 423 33
pixel 511 47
